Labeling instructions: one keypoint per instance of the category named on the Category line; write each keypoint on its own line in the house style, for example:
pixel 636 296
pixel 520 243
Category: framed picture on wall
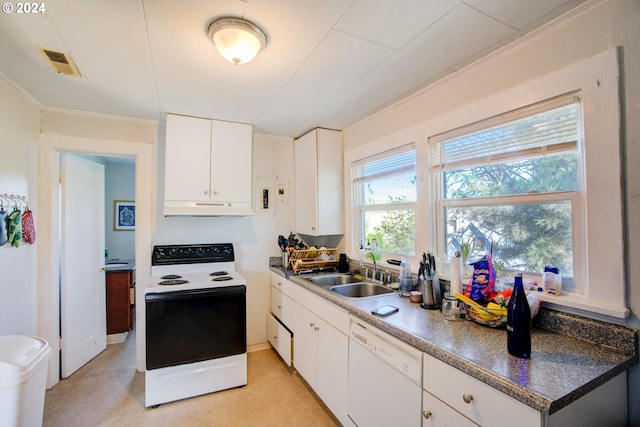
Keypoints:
pixel 124 215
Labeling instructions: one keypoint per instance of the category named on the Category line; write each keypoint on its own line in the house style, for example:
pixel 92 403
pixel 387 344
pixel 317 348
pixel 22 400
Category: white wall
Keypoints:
pixel 604 26
pixel 254 237
pixel 120 184
pixel 19 125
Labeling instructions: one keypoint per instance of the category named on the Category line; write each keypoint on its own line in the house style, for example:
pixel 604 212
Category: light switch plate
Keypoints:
pixel 282 191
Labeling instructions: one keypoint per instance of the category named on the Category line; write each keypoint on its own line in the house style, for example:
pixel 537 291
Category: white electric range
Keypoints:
pixel 195 309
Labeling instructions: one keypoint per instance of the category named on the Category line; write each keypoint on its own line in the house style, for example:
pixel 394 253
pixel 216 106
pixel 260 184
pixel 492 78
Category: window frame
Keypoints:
pixel 360 208
pixel 437 168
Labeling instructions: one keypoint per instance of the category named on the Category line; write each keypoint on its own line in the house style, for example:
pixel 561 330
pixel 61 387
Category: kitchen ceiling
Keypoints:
pixel 328 63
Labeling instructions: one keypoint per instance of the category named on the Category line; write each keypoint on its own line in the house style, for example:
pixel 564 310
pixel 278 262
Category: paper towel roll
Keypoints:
pixel 456 274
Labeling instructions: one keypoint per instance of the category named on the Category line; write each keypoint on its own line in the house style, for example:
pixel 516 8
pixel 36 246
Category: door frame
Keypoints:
pixel 49 148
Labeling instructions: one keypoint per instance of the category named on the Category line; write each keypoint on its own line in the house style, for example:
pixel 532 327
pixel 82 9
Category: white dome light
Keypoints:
pixel 237 40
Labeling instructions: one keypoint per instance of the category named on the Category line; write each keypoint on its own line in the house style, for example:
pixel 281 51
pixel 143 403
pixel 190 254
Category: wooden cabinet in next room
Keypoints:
pixel 119 306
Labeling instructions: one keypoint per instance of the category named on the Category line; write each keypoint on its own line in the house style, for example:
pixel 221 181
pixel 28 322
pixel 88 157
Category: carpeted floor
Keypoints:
pixel 109 392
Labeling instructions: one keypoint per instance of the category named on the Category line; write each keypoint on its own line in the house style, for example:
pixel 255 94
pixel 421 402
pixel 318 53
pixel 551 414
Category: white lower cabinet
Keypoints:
pixel 473 400
pixel 282 307
pixel 322 351
pixel 453 398
pixel 280 338
pixel 436 413
pixel 450 397
pixel 280 319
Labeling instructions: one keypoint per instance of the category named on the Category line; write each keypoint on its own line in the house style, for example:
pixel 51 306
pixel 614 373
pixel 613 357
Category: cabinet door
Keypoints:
pixel 435 413
pixel 279 338
pixel 306 173
pixel 231 164
pixel 330 182
pixel 118 302
pixel 304 356
pixel 332 364
pixel 187 154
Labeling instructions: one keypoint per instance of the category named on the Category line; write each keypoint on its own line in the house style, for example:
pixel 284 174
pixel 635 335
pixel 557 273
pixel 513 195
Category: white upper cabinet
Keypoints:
pixel 319 183
pixel 208 165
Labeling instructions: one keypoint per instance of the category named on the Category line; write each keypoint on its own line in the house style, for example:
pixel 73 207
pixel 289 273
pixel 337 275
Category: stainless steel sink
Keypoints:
pixel 361 290
pixel 333 279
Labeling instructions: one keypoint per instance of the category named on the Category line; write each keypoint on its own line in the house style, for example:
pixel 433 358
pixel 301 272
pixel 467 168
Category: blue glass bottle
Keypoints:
pixel 519 322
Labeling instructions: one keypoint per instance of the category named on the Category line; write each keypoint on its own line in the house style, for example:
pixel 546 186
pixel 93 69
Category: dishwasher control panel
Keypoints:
pixel 399 355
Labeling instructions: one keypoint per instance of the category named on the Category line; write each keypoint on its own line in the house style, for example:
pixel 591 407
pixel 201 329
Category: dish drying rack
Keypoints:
pixel 311 259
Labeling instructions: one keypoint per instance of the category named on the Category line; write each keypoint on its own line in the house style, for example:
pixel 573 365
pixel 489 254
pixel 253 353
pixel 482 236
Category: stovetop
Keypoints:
pixel 185 267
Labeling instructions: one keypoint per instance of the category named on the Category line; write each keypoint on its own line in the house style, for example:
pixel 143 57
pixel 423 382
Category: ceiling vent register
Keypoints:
pixel 60 62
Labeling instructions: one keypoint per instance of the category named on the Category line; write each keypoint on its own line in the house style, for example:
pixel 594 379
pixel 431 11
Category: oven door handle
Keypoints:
pixel 197 293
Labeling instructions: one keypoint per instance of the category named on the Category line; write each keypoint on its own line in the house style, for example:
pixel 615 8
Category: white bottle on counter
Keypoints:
pixel 552 281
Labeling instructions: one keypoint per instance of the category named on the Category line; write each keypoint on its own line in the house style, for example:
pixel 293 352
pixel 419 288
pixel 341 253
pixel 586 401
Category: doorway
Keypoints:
pixel 50 148
pixel 93 190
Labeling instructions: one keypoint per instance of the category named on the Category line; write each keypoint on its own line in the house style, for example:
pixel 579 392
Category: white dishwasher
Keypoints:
pixel 384 379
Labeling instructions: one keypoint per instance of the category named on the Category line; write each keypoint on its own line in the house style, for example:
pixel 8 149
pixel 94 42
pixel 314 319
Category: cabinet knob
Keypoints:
pixel 426 414
pixel 279 284
pixel 311 324
pixel 316 329
pixel 206 192
pixel 104 268
pixel 467 398
pixel 275 337
pixel 215 192
pixel 279 306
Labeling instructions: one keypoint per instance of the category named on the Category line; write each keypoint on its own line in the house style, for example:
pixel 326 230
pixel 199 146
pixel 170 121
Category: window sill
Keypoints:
pixel 579 305
pixel 572 304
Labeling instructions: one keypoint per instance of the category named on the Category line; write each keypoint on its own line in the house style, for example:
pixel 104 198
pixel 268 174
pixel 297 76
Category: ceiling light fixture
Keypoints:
pixel 237 40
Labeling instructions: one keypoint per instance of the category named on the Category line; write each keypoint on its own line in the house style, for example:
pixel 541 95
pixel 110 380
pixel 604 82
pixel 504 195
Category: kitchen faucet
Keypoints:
pixel 373 257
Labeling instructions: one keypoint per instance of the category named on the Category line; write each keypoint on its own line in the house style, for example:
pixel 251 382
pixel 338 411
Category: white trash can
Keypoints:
pixel 23 380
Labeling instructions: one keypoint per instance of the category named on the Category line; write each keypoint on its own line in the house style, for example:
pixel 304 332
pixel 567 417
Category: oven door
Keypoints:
pixel 195 325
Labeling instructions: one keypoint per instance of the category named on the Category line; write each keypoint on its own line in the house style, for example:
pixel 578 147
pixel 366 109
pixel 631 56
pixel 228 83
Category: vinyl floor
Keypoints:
pixel 108 391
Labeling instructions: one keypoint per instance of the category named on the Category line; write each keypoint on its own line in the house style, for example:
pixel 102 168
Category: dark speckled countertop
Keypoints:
pixel 562 367
pixel 119 265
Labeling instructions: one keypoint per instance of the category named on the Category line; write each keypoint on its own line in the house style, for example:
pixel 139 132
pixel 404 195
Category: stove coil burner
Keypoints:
pixel 221 278
pixel 171 276
pixel 173 282
pixel 219 273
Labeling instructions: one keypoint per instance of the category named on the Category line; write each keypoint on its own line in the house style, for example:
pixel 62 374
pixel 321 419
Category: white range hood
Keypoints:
pixel 186 208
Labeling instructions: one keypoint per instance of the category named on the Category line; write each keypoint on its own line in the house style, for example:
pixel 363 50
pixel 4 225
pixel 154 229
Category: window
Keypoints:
pixel 384 189
pixel 576 178
pixel 512 184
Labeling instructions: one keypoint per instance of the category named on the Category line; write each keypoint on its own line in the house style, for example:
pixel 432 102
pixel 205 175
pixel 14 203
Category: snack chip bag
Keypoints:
pixel 483 280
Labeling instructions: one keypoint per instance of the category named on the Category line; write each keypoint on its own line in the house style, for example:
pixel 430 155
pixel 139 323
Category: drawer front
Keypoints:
pixel 279 338
pixel 282 307
pixel 474 399
pixel 283 285
pixel 436 413
pixel 332 314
